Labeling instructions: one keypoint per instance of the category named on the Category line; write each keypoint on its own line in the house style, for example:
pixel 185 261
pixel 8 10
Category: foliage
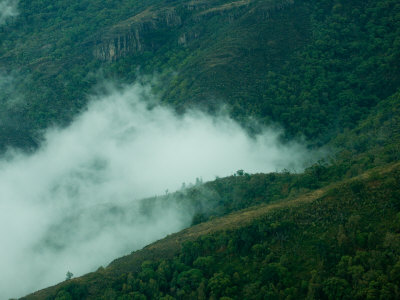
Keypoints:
pixel 330 62
pixel 344 245
pixel 326 71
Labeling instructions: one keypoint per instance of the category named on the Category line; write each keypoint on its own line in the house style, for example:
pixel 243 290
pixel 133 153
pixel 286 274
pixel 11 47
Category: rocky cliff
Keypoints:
pixel 151 28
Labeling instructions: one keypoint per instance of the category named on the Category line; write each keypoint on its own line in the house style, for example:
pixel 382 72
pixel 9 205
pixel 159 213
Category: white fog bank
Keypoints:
pixel 8 9
pixel 73 204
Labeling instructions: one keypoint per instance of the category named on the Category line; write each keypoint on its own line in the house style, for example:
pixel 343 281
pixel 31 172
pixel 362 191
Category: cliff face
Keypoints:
pixel 130 35
pixel 150 29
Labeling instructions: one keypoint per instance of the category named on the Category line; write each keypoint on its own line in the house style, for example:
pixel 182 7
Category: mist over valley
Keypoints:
pixel 178 149
pixel 78 195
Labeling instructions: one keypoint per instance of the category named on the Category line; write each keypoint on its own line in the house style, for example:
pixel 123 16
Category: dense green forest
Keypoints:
pixel 327 72
pixel 341 242
pixel 331 62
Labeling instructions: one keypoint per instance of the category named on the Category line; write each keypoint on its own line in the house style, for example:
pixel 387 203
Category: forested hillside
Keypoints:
pixel 325 74
pixel 341 242
pixel 330 61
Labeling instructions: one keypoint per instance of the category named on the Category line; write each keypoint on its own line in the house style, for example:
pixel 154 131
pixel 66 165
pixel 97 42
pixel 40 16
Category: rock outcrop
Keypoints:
pixel 150 29
pixel 130 35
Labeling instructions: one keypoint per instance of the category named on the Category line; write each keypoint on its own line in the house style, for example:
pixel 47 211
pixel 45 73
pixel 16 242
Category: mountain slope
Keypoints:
pixel 330 61
pixel 327 72
pixel 311 245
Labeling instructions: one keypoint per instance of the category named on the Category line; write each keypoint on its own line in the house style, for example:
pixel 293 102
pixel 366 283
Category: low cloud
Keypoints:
pixel 8 9
pixel 10 98
pixel 73 204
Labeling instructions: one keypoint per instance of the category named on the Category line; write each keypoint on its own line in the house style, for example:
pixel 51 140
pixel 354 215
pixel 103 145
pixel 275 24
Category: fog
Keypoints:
pixel 73 205
pixel 8 8
pixel 10 97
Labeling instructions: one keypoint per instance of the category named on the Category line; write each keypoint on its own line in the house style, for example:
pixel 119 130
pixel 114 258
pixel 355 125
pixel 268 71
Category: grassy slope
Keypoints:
pixel 320 202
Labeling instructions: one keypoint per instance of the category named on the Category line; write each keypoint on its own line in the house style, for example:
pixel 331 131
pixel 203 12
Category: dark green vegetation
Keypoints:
pixel 327 71
pixel 330 61
pixel 341 242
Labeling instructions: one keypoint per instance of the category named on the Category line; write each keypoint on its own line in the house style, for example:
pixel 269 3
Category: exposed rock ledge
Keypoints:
pixel 137 33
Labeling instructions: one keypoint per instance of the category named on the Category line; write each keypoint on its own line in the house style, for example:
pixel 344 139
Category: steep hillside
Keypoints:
pixel 325 72
pixel 330 61
pixel 57 51
pixel 340 241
